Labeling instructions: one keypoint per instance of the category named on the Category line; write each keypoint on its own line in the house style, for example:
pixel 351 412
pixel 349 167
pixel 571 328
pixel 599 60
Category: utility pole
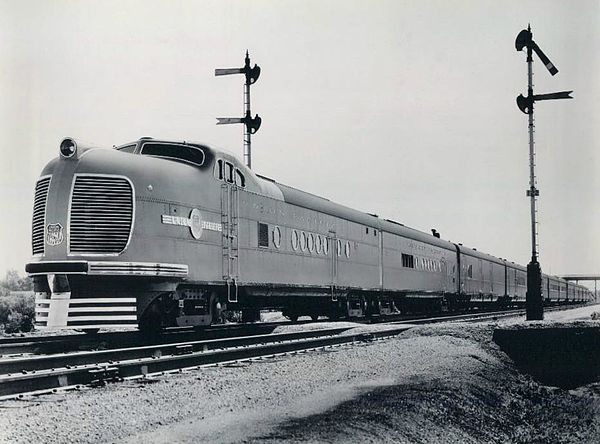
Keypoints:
pixel 533 302
pixel 251 125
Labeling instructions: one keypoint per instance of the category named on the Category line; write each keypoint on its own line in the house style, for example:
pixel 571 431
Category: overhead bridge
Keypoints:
pixel 584 277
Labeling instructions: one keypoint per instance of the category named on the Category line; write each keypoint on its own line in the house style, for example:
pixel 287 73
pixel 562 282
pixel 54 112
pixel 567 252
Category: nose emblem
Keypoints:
pixel 54 234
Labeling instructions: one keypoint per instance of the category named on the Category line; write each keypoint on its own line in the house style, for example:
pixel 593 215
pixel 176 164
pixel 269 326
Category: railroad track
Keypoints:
pixel 43 373
pixel 52 344
pixel 118 339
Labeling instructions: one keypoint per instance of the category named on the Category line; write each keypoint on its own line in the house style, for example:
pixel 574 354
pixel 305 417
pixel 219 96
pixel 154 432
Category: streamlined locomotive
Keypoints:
pixel 158 233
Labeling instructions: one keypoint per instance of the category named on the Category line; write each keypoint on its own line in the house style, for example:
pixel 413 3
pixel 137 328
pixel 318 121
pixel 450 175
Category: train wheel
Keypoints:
pixel 151 320
pixel 293 317
pixel 314 317
pixel 347 309
pixel 364 304
pixel 251 315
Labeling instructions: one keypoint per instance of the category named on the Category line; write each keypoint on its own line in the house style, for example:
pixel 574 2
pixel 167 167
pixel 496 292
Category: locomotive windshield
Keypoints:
pixel 185 153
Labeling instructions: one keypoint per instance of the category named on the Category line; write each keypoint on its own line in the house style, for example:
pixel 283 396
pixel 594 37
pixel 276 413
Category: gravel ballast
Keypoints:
pixel 440 383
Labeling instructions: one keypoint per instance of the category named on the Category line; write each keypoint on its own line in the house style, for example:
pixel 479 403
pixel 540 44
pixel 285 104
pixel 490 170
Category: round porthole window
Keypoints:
pixel 310 239
pixel 277 237
pixel 339 247
pixel 347 249
pixel 303 241
pixel 325 246
pixel 294 239
pixel 319 244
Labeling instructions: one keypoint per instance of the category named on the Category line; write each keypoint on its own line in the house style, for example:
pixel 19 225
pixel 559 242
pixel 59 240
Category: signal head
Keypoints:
pixel 525 104
pixel 254 124
pixel 252 74
pixel 523 39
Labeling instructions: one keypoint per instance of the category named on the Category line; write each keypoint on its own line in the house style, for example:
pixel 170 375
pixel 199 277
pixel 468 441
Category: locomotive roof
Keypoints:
pixel 254 183
pixel 294 196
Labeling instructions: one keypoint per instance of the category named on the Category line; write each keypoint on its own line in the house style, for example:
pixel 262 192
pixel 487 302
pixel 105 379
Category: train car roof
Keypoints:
pixel 310 201
pixel 294 196
pixel 473 252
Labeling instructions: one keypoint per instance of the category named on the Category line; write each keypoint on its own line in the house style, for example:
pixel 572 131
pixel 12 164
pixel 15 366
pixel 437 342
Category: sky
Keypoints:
pixel 401 108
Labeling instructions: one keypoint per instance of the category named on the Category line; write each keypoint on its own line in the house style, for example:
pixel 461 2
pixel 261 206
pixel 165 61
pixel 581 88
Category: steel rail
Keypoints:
pixel 120 339
pixel 44 362
pixel 82 341
pixel 12 385
pixel 475 317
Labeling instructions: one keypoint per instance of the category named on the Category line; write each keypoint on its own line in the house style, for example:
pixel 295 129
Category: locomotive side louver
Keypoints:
pixel 39 215
pixel 101 214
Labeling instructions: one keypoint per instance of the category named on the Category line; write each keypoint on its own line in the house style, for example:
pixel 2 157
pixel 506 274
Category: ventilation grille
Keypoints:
pixel 101 215
pixel 39 215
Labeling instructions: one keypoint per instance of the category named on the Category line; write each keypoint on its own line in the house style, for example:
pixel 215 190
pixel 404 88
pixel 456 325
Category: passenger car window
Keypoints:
pixel 319 244
pixel 277 237
pixel 303 241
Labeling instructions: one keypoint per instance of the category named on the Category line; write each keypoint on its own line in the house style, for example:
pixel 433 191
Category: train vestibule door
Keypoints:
pixel 447 278
pixel 332 240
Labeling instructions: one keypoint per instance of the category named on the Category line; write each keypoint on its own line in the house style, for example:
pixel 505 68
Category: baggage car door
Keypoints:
pixel 333 249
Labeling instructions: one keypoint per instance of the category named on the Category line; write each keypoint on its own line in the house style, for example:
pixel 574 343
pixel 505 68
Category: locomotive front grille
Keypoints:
pixel 101 215
pixel 39 215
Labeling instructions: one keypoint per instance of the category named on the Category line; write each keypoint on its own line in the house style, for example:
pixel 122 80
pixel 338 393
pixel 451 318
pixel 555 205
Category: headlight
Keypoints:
pixel 68 147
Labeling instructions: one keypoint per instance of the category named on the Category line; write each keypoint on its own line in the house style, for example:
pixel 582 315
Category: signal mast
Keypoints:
pixel 251 124
pixel 533 303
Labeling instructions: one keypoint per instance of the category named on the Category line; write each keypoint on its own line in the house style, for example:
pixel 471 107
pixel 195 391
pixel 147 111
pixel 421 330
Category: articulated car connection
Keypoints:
pixel 157 233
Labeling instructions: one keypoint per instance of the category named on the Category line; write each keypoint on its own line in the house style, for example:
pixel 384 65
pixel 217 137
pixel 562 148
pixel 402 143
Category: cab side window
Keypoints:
pixel 219 169
pixel 240 180
pixel 229 172
pixel 226 171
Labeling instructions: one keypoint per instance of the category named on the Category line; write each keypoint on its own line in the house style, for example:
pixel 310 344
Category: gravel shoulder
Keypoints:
pixel 440 383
